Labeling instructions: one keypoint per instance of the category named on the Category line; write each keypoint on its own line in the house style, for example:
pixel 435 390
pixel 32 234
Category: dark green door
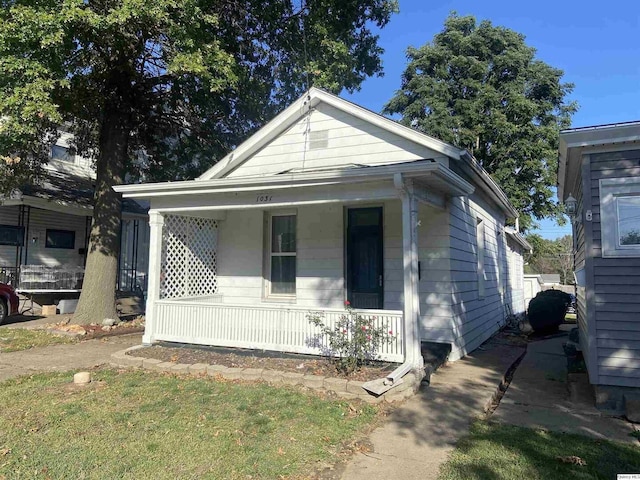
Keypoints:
pixel 364 257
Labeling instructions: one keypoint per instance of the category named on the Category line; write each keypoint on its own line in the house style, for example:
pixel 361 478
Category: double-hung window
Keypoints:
pixel 620 217
pixel 282 255
pixel 61 153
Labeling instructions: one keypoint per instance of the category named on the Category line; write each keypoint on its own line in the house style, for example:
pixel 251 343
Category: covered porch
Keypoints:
pixel 44 236
pixel 244 262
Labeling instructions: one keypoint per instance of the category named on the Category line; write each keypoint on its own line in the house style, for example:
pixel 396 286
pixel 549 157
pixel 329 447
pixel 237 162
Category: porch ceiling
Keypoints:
pixel 354 183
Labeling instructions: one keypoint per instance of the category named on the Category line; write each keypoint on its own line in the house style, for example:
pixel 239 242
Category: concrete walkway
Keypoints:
pixel 419 436
pixel 538 397
pixel 81 355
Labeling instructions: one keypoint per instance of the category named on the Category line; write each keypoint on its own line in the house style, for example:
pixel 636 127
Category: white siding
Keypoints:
pixel 515 277
pixel 435 285
pixel 77 164
pixel 349 141
pixel 36 252
pixel 320 258
pixel 239 257
pixel 475 318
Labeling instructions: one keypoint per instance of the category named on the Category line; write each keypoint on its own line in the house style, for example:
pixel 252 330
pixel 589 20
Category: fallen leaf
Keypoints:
pixel 572 459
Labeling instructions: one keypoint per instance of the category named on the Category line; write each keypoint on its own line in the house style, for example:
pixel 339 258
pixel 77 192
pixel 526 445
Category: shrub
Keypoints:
pixel 353 340
pixel 547 310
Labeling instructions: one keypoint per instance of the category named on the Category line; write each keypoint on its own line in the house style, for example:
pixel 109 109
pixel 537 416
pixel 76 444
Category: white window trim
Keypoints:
pixel 611 189
pixel 480 249
pixel 268 295
pixel 71 158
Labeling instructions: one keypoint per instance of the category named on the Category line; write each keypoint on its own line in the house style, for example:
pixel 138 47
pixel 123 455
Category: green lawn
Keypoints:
pixel 494 451
pixel 132 425
pixel 14 339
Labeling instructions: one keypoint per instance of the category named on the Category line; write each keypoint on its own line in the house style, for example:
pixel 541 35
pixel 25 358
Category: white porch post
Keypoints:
pixel 410 261
pixel 156 222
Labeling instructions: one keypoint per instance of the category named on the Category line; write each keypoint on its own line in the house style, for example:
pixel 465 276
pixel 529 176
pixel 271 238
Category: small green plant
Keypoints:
pixel 354 340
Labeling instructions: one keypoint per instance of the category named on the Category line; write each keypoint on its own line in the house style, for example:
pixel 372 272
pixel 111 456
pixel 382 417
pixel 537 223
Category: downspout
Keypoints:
pixel 413 357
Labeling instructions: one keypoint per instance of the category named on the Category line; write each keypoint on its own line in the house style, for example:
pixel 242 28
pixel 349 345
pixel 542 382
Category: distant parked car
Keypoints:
pixel 8 302
pixel 572 305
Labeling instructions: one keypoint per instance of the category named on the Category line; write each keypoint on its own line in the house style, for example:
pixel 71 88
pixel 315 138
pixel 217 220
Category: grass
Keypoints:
pixel 131 425
pixel 15 339
pixel 570 318
pixel 502 452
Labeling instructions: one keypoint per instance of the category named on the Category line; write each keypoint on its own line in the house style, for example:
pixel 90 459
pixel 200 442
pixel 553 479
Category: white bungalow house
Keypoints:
pixel 329 203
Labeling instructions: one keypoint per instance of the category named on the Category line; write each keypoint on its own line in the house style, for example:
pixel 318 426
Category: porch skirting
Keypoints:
pixel 281 328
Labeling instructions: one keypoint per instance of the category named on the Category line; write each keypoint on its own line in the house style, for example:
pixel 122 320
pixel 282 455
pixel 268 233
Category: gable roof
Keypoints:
pixel 296 111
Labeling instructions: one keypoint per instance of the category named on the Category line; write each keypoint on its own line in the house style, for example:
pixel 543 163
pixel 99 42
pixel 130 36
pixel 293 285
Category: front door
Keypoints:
pixel 364 257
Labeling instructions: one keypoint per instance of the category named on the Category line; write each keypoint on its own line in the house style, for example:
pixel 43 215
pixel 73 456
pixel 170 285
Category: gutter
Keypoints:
pixel 418 168
pixel 490 186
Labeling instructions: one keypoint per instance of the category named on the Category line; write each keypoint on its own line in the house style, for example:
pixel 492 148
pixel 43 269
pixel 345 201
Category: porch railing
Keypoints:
pixel 9 275
pixel 41 277
pixel 279 328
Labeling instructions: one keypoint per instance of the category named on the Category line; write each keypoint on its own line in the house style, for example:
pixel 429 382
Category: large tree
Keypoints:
pixel 551 256
pixel 480 87
pixel 162 88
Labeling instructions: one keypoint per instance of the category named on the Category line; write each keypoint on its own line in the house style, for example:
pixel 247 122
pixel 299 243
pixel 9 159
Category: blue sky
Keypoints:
pixel 595 43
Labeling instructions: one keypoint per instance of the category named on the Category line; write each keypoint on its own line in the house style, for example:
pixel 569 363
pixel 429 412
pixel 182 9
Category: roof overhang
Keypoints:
pixel 489 186
pixel 288 117
pixel 68 208
pixel 430 174
pixel 519 239
pixel 537 276
pixel 574 142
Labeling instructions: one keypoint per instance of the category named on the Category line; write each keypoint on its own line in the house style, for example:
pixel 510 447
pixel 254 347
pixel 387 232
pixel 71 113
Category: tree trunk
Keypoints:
pixel 97 300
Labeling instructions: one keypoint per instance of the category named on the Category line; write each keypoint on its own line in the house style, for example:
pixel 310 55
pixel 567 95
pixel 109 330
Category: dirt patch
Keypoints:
pixel 94 330
pixel 239 358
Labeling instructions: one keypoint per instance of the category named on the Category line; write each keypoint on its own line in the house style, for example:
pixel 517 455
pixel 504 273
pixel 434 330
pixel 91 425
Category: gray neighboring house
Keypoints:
pixel 599 167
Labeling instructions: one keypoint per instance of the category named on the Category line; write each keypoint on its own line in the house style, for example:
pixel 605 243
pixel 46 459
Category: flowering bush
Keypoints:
pixel 353 340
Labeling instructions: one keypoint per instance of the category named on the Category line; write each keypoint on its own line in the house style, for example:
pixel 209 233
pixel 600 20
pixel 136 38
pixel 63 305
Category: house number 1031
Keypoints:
pixel 263 198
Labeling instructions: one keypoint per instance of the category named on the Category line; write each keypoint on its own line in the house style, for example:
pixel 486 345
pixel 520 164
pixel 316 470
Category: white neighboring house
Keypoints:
pixel 44 230
pixel 329 203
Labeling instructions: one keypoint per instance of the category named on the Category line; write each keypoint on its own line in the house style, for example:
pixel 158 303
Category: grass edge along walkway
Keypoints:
pixel 19 339
pixel 504 452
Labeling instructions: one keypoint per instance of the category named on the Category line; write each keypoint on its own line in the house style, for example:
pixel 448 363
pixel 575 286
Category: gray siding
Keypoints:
pixel 615 283
pixel 579 242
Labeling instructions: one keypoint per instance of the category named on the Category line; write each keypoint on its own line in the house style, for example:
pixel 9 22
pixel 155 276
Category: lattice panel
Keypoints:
pixel 189 248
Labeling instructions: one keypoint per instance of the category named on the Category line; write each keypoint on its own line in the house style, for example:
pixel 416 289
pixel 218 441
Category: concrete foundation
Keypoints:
pixel 610 399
